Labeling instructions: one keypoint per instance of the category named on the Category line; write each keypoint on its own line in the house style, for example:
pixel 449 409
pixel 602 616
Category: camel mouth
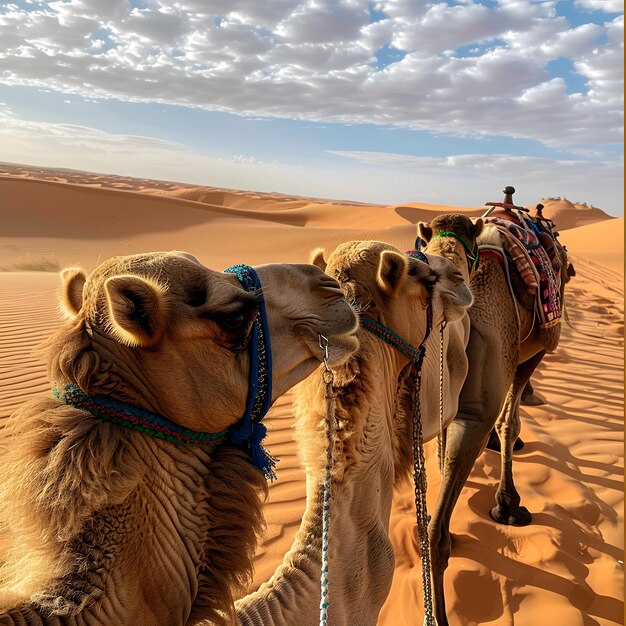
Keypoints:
pixel 338 324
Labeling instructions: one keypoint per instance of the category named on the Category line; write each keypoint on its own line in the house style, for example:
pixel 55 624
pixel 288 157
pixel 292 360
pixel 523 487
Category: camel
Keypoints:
pixel 394 290
pixel 140 508
pixel 505 347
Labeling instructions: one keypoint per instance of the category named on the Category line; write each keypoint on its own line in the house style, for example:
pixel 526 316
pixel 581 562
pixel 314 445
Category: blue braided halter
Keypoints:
pixel 420 256
pixel 248 432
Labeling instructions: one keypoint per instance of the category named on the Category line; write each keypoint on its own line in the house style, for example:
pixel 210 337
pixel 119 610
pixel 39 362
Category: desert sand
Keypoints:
pixel 565 569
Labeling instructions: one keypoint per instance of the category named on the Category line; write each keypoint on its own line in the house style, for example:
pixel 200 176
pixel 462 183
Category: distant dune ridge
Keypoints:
pixel 564 569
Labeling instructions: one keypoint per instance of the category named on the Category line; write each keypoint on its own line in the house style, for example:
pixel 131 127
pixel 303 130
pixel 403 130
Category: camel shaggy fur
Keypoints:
pixel 394 290
pixel 505 347
pixel 102 525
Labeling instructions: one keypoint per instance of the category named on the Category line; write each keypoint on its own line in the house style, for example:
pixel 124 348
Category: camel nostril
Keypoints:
pixel 332 290
pixel 457 277
pixel 329 283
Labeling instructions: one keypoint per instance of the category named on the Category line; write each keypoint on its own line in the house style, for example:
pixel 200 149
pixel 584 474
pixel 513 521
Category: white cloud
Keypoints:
pixel 314 56
pixel 163 27
pixel 573 43
pixel 324 21
pixel 377 34
pixel 609 6
pixel 604 67
pixel 402 9
pixel 444 27
pixel 315 59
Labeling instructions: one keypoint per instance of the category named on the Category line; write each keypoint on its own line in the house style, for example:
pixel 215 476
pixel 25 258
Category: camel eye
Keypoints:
pixel 196 296
pixel 233 321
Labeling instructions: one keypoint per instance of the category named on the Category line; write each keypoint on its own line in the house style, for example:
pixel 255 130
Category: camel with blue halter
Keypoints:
pixel 394 293
pixel 135 495
pixel 505 346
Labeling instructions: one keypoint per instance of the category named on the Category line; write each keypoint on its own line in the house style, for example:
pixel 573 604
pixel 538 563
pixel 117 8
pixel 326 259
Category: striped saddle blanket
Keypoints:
pixel 541 275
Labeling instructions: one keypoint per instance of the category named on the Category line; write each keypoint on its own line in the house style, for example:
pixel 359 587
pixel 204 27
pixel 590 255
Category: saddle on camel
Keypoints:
pixel 531 244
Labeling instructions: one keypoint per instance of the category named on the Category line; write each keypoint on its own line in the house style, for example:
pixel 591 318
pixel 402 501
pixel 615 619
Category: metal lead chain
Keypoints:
pixel 327 377
pixel 421 512
pixel 441 448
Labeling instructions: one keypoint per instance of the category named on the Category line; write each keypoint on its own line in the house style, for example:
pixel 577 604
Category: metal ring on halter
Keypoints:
pixel 327 376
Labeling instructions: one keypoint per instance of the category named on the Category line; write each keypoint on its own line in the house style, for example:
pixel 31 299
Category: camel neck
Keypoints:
pixel 362 491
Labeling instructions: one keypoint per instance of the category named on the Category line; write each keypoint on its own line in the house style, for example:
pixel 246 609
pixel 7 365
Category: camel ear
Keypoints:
pixel 317 258
pixel 73 279
pixel 478 227
pixel 424 231
pixel 392 271
pixel 136 310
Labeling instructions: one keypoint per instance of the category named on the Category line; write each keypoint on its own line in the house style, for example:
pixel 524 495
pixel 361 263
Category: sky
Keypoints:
pixel 386 101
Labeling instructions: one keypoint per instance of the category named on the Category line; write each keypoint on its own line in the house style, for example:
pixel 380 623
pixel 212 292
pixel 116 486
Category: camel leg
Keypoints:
pixel 528 391
pixel 464 441
pixel 493 352
pixel 479 407
pixel 493 443
pixel 508 509
pixel 529 398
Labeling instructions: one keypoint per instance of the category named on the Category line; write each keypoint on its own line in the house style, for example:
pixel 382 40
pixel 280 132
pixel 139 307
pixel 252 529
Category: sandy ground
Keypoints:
pixel 562 570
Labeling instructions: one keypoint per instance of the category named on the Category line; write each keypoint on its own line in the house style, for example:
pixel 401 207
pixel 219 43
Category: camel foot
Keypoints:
pixel 532 400
pixel 493 443
pixel 517 517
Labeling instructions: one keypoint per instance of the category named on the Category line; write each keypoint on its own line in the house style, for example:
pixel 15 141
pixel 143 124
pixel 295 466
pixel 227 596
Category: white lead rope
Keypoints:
pixel 327 377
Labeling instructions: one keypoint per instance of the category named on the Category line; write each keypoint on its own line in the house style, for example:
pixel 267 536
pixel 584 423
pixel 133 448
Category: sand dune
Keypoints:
pixel 562 569
pixel 599 243
pixel 568 214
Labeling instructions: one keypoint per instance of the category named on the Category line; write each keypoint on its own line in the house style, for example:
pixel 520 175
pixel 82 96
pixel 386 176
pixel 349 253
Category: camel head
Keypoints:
pixel 460 248
pixel 162 332
pixel 567 268
pixel 570 271
pixel 393 290
pixel 396 288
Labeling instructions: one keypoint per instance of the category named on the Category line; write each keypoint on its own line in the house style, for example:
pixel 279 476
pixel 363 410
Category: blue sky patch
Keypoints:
pixel 574 82
pixel 388 55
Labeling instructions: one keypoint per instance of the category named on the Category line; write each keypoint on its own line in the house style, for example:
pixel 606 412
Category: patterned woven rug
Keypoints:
pixel 523 247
